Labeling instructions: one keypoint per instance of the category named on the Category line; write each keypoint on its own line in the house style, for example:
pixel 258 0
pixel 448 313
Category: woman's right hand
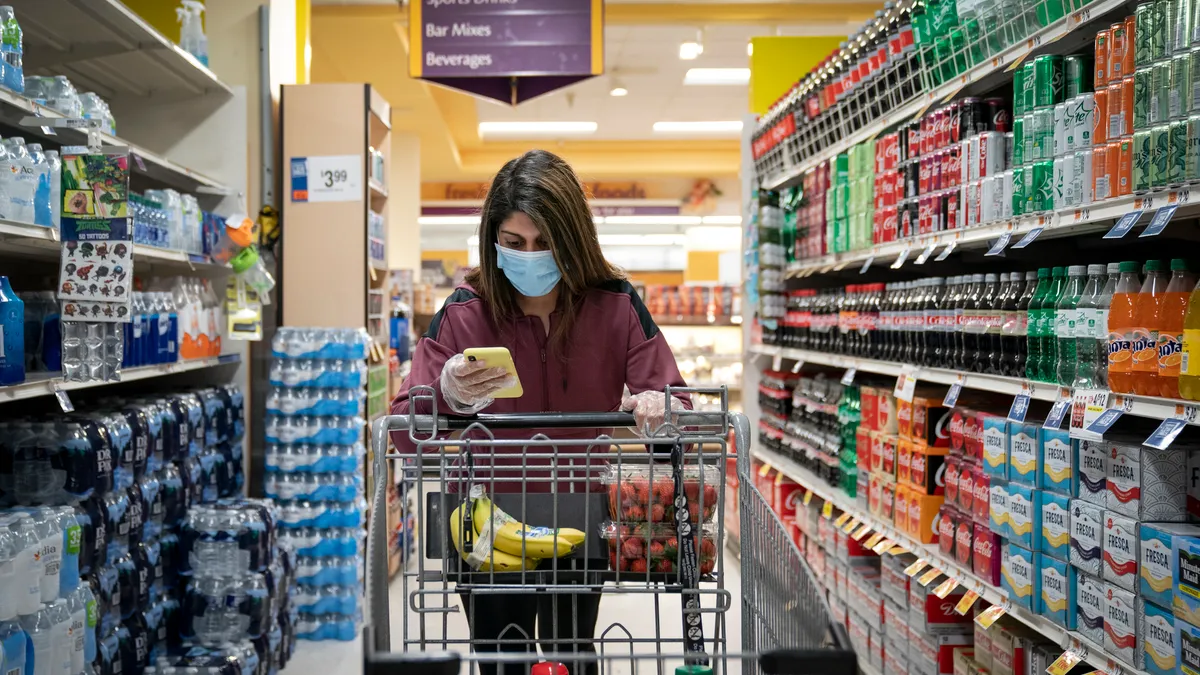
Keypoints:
pixel 467 386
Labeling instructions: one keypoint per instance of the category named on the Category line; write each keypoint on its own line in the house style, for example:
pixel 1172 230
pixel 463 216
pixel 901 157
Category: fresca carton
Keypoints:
pixel 1091 470
pixel 1025 515
pixel 1087 535
pixel 1024 453
pixel 1120 623
pixel 1156 576
pixel 1121 538
pixel 1089 606
pixel 1057 599
pixel 1158 639
pixel 1146 483
pixel 1056 526
pixel 995 445
pixel 1187 648
pixel 998 508
pixel 1058 461
pixel 1019 577
pixel 1185 552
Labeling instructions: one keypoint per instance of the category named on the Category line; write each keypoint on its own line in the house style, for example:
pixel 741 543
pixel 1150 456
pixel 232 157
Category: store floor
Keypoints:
pixel 634 612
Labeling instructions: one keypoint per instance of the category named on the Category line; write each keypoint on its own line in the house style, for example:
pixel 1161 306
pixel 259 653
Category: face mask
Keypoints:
pixel 532 273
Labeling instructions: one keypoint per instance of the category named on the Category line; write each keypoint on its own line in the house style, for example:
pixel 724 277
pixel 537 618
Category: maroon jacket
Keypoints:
pixel 614 342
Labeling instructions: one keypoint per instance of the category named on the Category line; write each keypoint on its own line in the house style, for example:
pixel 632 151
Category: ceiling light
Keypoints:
pixel 749 49
pixel 618 90
pixel 448 220
pixel 535 128
pixel 688 51
pixel 652 220
pixel 727 127
pixel 642 240
pixel 717 76
pixel 722 220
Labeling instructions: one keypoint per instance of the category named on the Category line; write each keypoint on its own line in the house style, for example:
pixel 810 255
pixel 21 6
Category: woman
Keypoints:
pixel 578 334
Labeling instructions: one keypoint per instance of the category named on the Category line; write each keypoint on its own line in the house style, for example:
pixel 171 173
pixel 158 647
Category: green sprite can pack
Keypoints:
pixel 1047 80
pixel 1177 152
pixel 1041 186
pixel 1159 141
pixel 1043 134
pixel 1141 161
pixel 1160 95
pixel 1181 85
pixel 1192 161
pixel 1077 70
pixel 1142 83
pixel 1143 16
pixel 1018 140
pixel 1018 190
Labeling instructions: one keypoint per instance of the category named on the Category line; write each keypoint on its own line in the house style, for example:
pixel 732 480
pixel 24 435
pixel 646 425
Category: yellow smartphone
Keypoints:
pixel 497 357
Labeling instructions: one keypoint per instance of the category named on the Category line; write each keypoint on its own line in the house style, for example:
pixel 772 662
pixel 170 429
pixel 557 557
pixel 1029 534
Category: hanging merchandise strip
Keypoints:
pixel 689 568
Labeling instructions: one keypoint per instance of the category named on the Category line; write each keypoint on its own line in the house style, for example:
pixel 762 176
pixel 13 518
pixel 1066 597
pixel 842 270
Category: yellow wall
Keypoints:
pixel 655 278
pixel 460 258
pixel 776 63
pixel 702 266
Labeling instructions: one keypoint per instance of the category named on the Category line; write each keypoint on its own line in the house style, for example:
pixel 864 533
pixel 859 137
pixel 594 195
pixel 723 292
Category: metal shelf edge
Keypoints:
pixel 48 385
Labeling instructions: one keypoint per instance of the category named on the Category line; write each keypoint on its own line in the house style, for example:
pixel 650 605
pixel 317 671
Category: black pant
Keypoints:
pixel 510 618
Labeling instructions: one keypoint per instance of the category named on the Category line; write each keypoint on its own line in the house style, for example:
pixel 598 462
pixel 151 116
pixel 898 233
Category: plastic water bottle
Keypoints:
pixel 12 642
pixel 72 544
pixel 30 567
pixel 50 534
pixel 41 192
pixel 39 626
pixel 24 184
pixel 12 50
pixel 63 641
pixel 54 163
pixel 12 335
pixel 77 606
pixel 91 622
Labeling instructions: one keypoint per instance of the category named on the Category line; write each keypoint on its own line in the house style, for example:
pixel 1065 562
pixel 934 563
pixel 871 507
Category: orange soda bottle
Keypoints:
pixel 1170 327
pixel 1122 319
pixel 1189 365
pixel 1145 330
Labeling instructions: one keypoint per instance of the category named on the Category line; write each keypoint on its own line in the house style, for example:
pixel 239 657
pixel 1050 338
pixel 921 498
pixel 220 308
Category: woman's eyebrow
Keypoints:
pixel 511 234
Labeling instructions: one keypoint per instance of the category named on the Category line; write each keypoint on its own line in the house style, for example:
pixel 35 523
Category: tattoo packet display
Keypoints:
pixel 96 267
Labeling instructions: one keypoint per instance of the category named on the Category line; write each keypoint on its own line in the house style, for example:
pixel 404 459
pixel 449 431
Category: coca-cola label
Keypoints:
pixel 982 505
pixel 904 463
pixel 957 418
pixel 962 542
pixel 952 473
pixel 985 559
pixel 887 498
pixel 947 521
pixel 966 488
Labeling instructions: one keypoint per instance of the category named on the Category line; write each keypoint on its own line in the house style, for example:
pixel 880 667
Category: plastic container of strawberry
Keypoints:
pixel 638 495
pixel 654 547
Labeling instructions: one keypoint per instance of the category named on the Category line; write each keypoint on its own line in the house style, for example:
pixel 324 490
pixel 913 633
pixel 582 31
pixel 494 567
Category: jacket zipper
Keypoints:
pixel 545 383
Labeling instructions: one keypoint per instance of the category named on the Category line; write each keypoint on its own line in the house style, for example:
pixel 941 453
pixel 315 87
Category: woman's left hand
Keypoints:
pixel 649 409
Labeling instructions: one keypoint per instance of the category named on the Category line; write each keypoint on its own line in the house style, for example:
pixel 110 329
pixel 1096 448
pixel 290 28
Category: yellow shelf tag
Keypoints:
pixel 929 576
pixel 882 546
pixel 862 532
pixel 946 588
pixel 827 510
pixel 808 497
pixel 841 520
pixel 991 615
pixel 874 540
pixel 1063 664
pixel 915 568
pixel 964 605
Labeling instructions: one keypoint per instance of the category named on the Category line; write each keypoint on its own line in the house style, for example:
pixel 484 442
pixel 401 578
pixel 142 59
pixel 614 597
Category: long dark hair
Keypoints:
pixel 544 187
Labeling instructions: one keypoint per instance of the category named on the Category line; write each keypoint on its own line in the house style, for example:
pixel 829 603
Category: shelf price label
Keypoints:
pixel 1165 434
pixel 882 546
pixel 968 599
pixel 64 401
pixel 1086 407
pixel 906 383
pixel 1126 223
pixel 873 541
pixel 1105 421
pixel 797 365
pixel 854 522
pixel 900 259
pixel 929 576
pixel 808 497
pixel 1063 664
pixel 848 376
pixel 947 251
pixel 1161 219
pixel 841 520
pixel 1000 244
pixel 926 253
pixel 992 614
pixel 1059 410
pixel 866 265
pixel 898 549
pixel 951 398
pixel 945 588
pixel 915 568
pixel 777 362
pixel 827 510
pixel 1020 404
pixel 1029 237
pixel 862 532
pixel 329 178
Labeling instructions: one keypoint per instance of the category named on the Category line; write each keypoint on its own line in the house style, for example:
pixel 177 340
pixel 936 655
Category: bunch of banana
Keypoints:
pixel 511 536
pixel 483 556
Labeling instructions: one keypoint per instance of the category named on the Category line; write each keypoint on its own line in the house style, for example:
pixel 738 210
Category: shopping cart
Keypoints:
pixel 644 505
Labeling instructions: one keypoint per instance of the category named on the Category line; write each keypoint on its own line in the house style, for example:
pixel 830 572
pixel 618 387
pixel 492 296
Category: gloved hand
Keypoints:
pixel 468 386
pixel 649 409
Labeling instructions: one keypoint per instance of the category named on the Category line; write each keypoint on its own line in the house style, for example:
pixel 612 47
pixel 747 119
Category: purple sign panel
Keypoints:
pixel 510 50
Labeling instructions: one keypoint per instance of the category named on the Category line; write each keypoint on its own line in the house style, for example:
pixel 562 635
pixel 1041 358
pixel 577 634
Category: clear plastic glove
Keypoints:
pixel 468 386
pixel 649 409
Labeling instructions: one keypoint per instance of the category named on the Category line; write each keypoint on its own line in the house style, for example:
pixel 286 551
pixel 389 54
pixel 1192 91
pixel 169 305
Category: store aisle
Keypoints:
pixel 634 613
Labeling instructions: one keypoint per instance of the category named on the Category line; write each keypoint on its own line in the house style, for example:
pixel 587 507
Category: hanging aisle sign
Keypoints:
pixel 510 50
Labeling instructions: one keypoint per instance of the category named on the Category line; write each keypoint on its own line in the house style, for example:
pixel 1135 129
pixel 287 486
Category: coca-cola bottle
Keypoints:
pixel 1020 336
pixel 1006 302
pixel 961 297
pixel 942 317
pixel 933 328
pixel 887 331
pixel 989 341
pixel 906 310
pixel 973 329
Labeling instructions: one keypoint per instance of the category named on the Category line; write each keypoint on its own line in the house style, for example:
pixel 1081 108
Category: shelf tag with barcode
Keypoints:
pixel 841 520
pixel 848 376
pixel 1187 412
pixel 866 265
pixel 1000 244
pixel 850 526
pixel 882 546
pixel 906 383
pixel 1165 434
pixel 64 401
pixel 897 549
pixel 1124 225
pixel 926 253
pixel 797 366
pixel 968 599
pixel 1063 664
pixel 951 398
pixel 946 251
pixel 777 362
pixel 1105 421
pixel 1029 237
pixel 945 588
pixel 1086 406
pixel 862 532
pixel 929 576
pixel 1020 404
pixel 915 568
pixel 1058 411
pixel 1159 222
pixel 808 497
pixel 991 615
pixel 873 541
pixel 827 510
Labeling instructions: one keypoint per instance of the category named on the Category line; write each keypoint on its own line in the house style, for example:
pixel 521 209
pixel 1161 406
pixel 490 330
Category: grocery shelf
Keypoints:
pixel 103 46
pixel 948 90
pixel 950 568
pixel 42 242
pixel 45 384
pixel 1068 222
pixel 1150 407
pixel 674 320
pixel 377 188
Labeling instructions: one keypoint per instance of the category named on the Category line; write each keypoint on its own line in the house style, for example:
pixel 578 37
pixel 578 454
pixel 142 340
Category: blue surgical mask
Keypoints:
pixel 532 273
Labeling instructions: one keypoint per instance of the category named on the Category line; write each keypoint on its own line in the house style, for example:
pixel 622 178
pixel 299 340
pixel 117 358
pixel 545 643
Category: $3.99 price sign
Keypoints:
pixel 329 178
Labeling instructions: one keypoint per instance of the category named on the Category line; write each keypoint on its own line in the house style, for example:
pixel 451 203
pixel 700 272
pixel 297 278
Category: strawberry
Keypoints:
pixel 612 559
pixel 707 565
pixel 657 513
pixel 672 548
pixel 635 514
pixel 639 566
pixel 664 492
pixel 624 564
pixel 657 550
pixel 708 548
pixel 632 548
pixel 664 565
pixel 710 495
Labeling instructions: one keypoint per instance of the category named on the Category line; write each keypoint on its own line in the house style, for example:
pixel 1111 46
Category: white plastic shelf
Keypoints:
pixel 45 384
pixel 42 243
pixel 989 594
pixel 1150 407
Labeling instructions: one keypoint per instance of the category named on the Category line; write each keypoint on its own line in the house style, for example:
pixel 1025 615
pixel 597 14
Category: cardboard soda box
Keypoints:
pixel 1091 473
pixel 1058 461
pixel 789 498
pixel 1020 577
pixel 868 398
pixel 982 501
pixel 1058 591
pixel 931 419
pixel 928 468
pixel 1087 536
pixel 1156 573
pixel 1056 526
pixel 1121 539
pixel 973 436
pixel 1089 608
pixel 1158 644
pixel 955 427
pixel 985 559
pixel 904 457
pixel 966 487
pixel 922 510
pixel 953 467
pixel 995 445
pixel 1024 453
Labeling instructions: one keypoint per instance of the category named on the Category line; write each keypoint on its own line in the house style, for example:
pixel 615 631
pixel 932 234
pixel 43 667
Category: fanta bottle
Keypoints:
pixel 1145 330
pixel 1122 319
pixel 1189 365
pixel 1170 327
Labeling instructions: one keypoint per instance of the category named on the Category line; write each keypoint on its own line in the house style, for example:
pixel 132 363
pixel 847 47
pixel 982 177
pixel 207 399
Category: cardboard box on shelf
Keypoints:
pixel 1087 536
pixel 955 429
pixel 983 646
pixel 1091 473
pixel 1156 576
pixel 1185 554
pixel 1024 515
pixel 964 537
pixel 981 504
pixel 1024 453
pixel 998 507
pixel 788 497
pixel 1056 526
pixel 904 459
pixel 986 557
pixel 1058 460
pixel 973 436
pixel 930 419
pixel 928 468
pixel 1121 628
pixel 868 398
pixel 1089 606
pixel 1158 638
pixel 953 466
pixel 1019 577
pixel 930 615
pixel 1121 537
pixel 995 445
pixel 1147 484
pixel 1187 648
pixel 938 649
pixel 966 486
pixel 922 510
pixel 965 663
pixel 1057 601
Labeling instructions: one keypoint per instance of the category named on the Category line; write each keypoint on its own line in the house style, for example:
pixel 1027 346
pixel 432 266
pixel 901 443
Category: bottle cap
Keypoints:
pixel 977 278
pixel 1129 266
pixel 1179 265
pixel 1043 273
pixel 1076 270
pixel 1031 275
pixel 1095 269
pixel 1154 265
pixel 990 278
pixel 1058 271
pixel 1114 268
pixel 693 670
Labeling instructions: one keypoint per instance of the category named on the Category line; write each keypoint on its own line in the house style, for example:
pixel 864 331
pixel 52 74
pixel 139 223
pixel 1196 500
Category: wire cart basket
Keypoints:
pixel 522 530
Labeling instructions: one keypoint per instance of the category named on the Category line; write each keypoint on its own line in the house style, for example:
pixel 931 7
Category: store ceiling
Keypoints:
pixel 366 40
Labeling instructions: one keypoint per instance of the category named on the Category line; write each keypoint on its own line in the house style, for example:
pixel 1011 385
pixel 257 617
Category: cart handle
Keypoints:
pixel 555 420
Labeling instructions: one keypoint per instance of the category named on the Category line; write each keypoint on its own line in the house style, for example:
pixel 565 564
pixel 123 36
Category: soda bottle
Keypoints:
pixel 933 329
pixel 1189 364
pixel 1050 337
pixel 1170 327
pixel 984 310
pixel 943 317
pixel 1087 352
pixel 1067 325
pixel 1122 320
pixel 1033 349
pixel 1017 323
pixel 1145 330
pixel 996 341
pixel 1103 304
